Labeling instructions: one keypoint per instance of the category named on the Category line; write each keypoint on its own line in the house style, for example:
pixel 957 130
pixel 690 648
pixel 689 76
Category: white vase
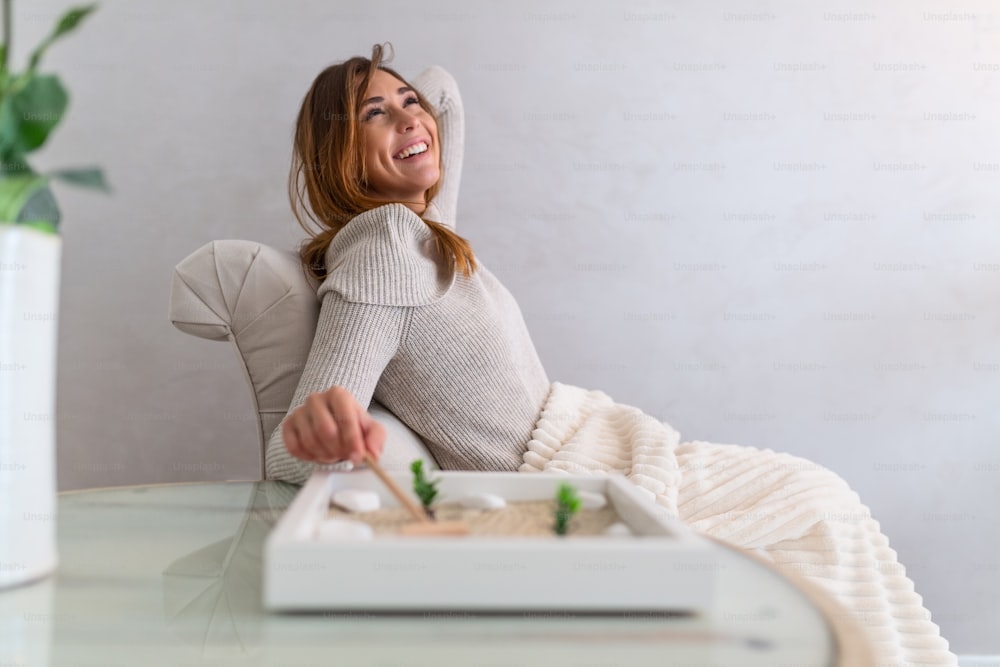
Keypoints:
pixel 29 306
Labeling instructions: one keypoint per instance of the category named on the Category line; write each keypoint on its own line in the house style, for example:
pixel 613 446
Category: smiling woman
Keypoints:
pixel 355 119
pixel 408 316
pixel 402 157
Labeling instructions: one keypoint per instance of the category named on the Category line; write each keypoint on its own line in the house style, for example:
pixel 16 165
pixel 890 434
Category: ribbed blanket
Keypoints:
pixel 796 513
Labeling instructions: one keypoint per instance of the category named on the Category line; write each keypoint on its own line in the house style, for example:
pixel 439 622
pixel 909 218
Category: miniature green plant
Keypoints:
pixel 567 504
pixel 425 489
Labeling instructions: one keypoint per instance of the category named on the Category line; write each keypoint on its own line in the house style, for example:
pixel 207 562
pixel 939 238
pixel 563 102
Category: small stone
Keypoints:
pixel 354 500
pixel 592 501
pixel 482 501
pixel 344 529
pixel 618 530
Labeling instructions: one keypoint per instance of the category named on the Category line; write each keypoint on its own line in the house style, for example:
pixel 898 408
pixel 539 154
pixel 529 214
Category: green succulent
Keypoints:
pixel 31 105
pixel 425 489
pixel 567 504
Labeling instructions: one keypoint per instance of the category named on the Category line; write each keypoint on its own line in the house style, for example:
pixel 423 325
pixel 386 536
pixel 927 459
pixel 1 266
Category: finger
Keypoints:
pixel 307 442
pixel 358 447
pixel 327 449
pixel 300 450
pixel 345 409
pixel 324 428
pixel 290 438
pixel 322 419
pixel 374 434
pixel 313 449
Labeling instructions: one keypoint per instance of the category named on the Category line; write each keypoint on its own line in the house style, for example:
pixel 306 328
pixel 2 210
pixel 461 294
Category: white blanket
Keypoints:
pixel 800 515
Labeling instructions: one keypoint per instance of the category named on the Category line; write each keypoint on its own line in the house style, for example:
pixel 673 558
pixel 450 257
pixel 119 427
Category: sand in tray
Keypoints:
pixel 533 518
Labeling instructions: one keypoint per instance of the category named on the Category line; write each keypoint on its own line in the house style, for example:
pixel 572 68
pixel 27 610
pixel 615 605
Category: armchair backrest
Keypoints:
pixel 260 299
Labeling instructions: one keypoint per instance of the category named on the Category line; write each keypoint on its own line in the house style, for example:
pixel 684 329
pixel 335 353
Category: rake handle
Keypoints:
pixel 416 510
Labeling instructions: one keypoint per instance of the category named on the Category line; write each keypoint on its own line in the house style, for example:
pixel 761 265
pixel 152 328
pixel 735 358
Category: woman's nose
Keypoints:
pixel 407 119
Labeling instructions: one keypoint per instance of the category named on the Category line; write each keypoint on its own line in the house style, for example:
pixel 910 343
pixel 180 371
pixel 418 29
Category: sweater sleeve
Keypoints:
pixel 353 344
pixel 440 88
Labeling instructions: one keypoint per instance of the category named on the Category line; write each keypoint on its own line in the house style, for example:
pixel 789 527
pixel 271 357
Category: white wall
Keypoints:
pixel 771 224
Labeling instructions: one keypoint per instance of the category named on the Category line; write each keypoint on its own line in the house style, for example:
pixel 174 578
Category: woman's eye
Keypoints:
pixel 376 110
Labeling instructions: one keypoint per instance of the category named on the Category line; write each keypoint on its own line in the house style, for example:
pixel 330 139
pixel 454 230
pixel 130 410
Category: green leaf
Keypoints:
pixel 41 207
pixel 13 163
pixel 28 115
pixel 423 487
pixel 88 177
pixel 69 21
pixel 567 498
pixel 15 191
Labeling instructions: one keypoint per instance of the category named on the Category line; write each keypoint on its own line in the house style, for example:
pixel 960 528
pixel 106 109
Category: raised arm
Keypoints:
pixel 351 348
pixel 440 88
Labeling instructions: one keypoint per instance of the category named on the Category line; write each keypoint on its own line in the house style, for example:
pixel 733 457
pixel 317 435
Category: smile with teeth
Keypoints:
pixel 412 150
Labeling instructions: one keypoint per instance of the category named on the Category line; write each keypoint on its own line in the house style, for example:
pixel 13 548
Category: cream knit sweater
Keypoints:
pixel 449 355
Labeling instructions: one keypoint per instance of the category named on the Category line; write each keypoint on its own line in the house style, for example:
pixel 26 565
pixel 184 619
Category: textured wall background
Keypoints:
pixel 771 224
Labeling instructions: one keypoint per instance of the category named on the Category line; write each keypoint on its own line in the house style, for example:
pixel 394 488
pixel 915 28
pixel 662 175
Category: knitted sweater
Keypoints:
pixel 448 355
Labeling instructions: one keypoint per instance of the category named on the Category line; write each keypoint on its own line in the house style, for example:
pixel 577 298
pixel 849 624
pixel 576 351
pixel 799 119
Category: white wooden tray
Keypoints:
pixel 663 567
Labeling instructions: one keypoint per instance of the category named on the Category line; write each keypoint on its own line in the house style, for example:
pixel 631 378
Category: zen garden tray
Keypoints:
pixel 657 564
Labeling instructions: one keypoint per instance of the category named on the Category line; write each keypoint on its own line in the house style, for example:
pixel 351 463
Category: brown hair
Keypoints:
pixel 328 166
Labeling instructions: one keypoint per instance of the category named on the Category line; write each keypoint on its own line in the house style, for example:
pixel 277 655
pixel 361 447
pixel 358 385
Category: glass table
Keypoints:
pixel 170 574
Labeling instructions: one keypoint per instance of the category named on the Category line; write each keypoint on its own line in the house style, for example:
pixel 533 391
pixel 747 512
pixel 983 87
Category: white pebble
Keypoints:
pixel 618 530
pixel 592 501
pixel 482 501
pixel 354 500
pixel 344 529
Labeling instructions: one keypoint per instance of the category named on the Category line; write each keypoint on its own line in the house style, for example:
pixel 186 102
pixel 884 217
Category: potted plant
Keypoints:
pixel 31 106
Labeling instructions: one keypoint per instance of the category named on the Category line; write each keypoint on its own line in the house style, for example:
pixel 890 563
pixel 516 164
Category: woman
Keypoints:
pixel 408 316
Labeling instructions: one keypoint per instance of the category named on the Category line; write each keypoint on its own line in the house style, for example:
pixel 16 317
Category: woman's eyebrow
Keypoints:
pixel 372 100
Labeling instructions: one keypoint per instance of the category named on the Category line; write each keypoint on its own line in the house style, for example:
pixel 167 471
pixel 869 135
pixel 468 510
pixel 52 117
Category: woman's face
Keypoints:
pixel 392 120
